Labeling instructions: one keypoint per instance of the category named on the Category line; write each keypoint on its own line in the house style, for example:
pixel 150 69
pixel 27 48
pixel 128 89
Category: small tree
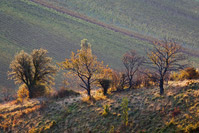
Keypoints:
pixel 132 62
pixel 105 79
pixel 105 83
pixel 32 69
pixel 166 56
pixel 125 110
pixel 84 65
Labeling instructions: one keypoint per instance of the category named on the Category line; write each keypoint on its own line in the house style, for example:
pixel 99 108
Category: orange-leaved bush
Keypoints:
pixel 187 73
pixel 23 93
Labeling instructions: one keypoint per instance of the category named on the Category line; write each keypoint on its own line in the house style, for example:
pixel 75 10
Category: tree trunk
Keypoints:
pixel 161 86
pixel 30 92
pixel 130 84
pixel 89 89
pixel 89 92
pixel 105 91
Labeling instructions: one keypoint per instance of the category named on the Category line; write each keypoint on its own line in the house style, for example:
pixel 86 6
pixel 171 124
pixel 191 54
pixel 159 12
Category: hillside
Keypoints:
pixel 166 18
pixel 175 111
pixel 26 25
pixel 113 27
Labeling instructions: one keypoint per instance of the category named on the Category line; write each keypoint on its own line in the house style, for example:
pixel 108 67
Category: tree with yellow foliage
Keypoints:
pixel 166 56
pixel 33 70
pixel 84 65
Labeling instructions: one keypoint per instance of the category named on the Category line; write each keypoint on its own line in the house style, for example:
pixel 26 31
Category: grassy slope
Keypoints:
pixel 149 112
pixel 166 18
pixel 25 25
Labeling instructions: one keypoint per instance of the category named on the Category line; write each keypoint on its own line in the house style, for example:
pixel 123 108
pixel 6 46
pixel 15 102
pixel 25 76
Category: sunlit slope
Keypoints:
pixel 26 25
pixel 174 112
pixel 177 19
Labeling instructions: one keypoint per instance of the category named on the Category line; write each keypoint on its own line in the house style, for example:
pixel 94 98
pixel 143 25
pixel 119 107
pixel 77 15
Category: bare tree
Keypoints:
pixel 32 69
pixel 132 63
pixel 166 56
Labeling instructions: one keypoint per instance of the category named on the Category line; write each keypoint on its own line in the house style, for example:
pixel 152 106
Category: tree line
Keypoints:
pixel 35 70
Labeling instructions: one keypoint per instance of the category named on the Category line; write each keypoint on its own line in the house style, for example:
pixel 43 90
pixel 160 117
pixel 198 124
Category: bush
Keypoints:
pixel 63 92
pixel 39 91
pixel 118 80
pixel 145 79
pixel 125 110
pixel 105 83
pixel 106 110
pixel 187 73
pixel 22 93
pixel 192 73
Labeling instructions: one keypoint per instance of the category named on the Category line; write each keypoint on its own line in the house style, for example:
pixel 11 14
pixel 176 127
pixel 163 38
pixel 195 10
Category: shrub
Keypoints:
pixel 63 92
pixel 183 75
pixel 192 73
pixel 22 93
pixel 118 80
pixel 187 73
pixel 106 110
pixel 145 79
pixel 112 130
pixel 39 91
pixel 174 76
pixel 105 83
pixel 125 110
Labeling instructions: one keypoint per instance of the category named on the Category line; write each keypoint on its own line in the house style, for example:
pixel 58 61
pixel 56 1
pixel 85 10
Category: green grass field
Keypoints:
pixel 178 19
pixel 26 25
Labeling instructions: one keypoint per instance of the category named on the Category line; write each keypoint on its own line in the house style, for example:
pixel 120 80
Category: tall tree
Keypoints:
pixel 84 65
pixel 131 62
pixel 32 69
pixel 166 56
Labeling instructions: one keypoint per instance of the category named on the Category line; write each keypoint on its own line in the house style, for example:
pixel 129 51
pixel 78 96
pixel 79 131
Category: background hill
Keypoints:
pixel 158 18
pixel 27 25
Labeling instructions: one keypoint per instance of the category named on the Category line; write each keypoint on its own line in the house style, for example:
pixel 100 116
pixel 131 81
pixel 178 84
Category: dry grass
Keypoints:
pixel 176 110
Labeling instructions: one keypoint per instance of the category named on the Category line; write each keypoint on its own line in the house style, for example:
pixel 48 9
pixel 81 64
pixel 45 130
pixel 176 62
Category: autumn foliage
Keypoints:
pixel 187 73
pixel 22 93
pixel 32 69
pixel 84 65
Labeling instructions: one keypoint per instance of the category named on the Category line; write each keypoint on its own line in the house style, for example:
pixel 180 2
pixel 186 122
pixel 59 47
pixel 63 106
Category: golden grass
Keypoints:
pixel 143 103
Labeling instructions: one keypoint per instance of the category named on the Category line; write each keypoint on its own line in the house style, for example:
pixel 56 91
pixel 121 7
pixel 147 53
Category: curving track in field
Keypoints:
pixel 94 21
pixel 107 26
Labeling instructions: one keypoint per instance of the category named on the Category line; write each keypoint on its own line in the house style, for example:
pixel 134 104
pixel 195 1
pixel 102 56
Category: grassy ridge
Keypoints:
pixel 26 25
pixel 175 19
